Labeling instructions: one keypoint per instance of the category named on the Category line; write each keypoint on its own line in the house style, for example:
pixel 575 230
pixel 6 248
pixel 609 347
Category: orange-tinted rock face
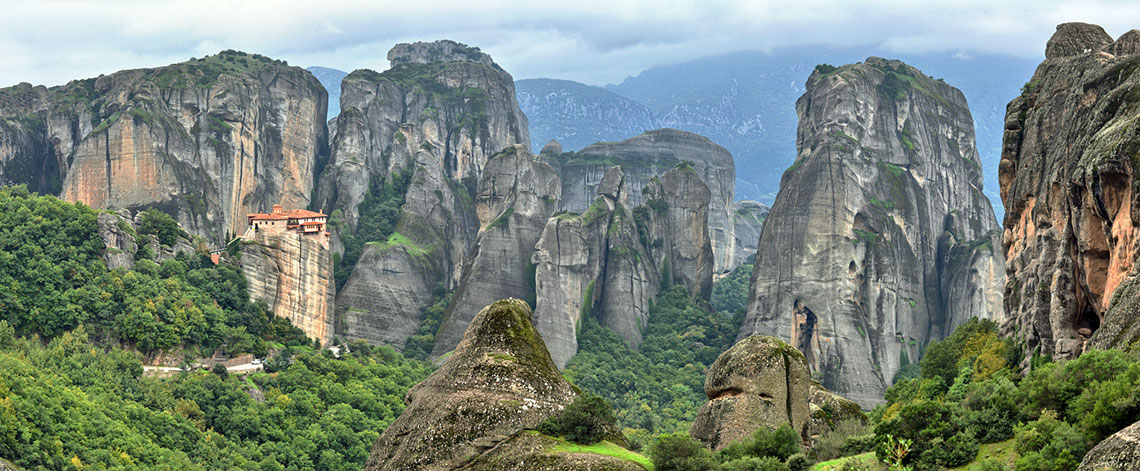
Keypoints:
pixel 293 274
pixel 1070 152
pixel 207 141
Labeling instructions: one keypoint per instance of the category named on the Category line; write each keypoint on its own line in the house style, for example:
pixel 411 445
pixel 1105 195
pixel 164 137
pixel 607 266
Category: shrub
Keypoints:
pixel 678 452
pixel 584 421
pixel 779 443
pixel 798 462
pixel 752 463
pixel 221 370
pixel 1049 443
pixel 158 224
pixel 848 438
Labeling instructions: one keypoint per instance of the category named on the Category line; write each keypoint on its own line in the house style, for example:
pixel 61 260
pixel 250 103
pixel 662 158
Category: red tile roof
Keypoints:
pixel 282 215
pixel 312 223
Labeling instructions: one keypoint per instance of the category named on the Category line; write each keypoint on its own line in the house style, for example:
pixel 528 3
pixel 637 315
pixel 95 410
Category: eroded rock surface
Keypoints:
pixel 531 451
pixel 759 382
pixel 208 141
pixel 649 155
pixel 1118 452
pixel 516 196
pixel 747 221
pixel 880 239
pixel 1068 179
pixel 498 381
pixel 293 274
pixel 438 114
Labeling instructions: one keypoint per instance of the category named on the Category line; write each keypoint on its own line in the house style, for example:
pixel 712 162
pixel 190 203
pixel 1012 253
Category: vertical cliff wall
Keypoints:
pixel 438 114
pixel 207 141
pixel 293 275
pixel 516 196
pixel 609 261
pixel 1068 182
pixel 880 239
pixel 649 155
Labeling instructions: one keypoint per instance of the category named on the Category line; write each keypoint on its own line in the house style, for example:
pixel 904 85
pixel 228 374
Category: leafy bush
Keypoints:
pixel 164 228
pixel 779 443
pixel 584 421
pixel 1048 443
pixel 678 452
pixel 798 462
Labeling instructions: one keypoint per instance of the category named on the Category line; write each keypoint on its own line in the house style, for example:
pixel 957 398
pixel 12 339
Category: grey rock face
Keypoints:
pixel 761 382
pixel 607 261
pixel 1119 452
pixel 880 239
pixel 516 196
pixel 384 299
pixel 649 155
pixel 207 141
pixel 118 234
pixel 498 381
pixel 748 219
pixel 439 113
pixel 1067 181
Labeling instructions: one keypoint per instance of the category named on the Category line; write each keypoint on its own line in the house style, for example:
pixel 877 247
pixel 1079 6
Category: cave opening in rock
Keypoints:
pixel 805 328
pixel 1087 322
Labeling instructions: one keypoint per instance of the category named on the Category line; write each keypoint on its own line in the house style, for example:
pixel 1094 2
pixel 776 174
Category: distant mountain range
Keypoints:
pixel 744 101
pixel 330 78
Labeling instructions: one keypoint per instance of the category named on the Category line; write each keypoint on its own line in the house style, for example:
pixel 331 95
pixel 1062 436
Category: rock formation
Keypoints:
pixel 293 274
pixel 516 196
pixel 609 260
pixel 880 239
pixel 829 411
pixel 206 141
pixel 649 155
pixel 748 219
pixel 6 465
pixel 1067 173
pixel 1118 452
pixel 498 381
pixel 438 114
pixel 759 382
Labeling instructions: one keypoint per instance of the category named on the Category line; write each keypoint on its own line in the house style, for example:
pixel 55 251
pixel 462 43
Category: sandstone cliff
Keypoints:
pixel 498 381
pixel 649 155
pixel 880 239
pixel 516 196
pixel 207 141
pixel 747 221
pixel 292 273
pixel 438 114
pixel 1067 173
pixel 609 261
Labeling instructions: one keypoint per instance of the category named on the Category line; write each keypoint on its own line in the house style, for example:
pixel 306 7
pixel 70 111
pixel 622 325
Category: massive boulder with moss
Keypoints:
pixel 516 196
pixel 208 141
pixel 759 382
pixel 1070 156
pixel 498 381
pixel 880 239
pixel 430 122
pixel 1118 452
pixel 650 155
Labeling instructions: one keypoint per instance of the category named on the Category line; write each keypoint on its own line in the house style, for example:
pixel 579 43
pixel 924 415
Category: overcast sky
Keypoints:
pixel 593 41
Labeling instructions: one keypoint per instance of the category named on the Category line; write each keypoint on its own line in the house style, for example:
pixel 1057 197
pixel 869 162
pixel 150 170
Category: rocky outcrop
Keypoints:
pixel 119 239
pixel 1068 179
pixel 438 114
pixel 532 451
pixel 384 299
pixel 609 260
pixel 1118 452
pixel 649 155
pixel 498 381
pixel 6 465
pixel 880 239
pixel 748 219
pixel 516 196
pixel 207 141
pixel 829 411
pixel 759 382
pixel 293 274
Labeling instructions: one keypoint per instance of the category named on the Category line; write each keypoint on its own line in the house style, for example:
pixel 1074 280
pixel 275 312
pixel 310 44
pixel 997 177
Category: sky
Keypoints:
pixel 592 41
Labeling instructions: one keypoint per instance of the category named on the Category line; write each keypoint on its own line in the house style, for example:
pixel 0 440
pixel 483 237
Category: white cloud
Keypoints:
pixel 595 41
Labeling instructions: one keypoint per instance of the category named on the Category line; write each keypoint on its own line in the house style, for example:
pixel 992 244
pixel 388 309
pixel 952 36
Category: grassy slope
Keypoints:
pixel 603 448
